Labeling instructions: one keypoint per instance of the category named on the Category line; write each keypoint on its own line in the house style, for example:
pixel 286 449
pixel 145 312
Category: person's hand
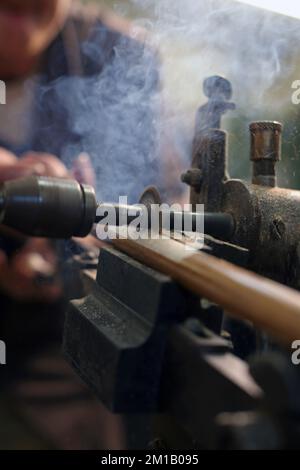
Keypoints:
pixel 31 273
pixel 32 163
pixel 83 170
pixel 44 164
pixel 47 164
pixel 11 169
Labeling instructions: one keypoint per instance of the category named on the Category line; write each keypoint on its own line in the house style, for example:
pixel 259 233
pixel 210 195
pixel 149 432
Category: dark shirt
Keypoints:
pixel 97 92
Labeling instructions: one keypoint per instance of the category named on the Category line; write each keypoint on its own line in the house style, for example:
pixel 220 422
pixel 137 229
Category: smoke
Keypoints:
pixel 109 113
pixel 129 120
pixel 255 49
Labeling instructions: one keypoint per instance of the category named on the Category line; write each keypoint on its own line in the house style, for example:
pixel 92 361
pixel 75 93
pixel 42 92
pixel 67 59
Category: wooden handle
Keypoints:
pixel 267 304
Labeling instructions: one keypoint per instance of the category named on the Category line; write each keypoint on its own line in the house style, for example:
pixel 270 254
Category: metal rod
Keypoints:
pixel 218 225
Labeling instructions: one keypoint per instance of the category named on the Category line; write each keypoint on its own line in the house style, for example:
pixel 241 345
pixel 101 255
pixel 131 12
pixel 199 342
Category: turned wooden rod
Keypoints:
pixel 269 305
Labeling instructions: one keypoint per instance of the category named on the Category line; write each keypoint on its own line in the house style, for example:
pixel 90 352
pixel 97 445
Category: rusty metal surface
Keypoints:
pixel 267 218
pixel 265 151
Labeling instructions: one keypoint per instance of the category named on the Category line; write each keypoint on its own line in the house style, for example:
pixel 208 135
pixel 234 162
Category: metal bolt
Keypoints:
pixel 277 229
pixel 265 151
pixel 193 178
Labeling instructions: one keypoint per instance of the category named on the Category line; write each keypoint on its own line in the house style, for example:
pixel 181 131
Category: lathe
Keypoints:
pixel 192 348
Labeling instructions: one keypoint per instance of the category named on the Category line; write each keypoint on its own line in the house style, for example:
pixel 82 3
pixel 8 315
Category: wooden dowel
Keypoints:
pixel 267 304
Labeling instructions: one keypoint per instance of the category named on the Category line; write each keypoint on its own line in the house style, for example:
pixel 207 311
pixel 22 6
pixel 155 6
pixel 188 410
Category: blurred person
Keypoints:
pixel 80 95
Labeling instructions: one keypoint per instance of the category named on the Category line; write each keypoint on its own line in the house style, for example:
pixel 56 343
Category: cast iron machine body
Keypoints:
pixel 266 217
